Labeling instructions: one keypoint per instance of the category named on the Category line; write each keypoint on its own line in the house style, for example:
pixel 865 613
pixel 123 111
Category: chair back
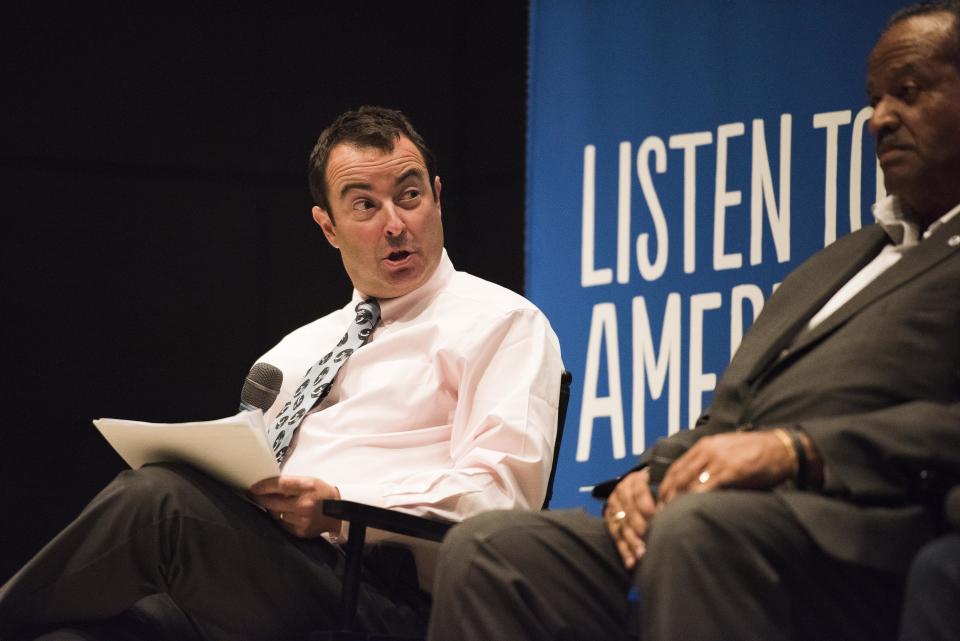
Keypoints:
pixel 565 380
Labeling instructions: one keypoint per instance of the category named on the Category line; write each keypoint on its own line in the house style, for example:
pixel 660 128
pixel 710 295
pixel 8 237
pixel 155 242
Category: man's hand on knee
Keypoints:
pixel 750 460
pixel 628 510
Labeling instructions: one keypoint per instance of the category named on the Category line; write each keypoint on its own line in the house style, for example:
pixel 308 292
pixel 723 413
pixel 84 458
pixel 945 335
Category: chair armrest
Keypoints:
pixel 383 519
pixel 361 516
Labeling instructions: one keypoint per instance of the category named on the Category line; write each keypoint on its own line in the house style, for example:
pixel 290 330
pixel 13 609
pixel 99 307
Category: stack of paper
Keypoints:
pixel 232 449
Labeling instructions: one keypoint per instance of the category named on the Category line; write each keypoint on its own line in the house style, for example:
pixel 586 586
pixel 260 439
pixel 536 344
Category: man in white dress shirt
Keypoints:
pixel 449 409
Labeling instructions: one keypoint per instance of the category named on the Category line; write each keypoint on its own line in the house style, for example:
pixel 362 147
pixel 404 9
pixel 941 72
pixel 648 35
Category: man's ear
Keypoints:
pixel 322 218
pixel 436 190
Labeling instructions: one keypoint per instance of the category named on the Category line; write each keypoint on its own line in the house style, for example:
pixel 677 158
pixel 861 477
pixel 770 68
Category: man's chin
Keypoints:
pixel 899 179
pixel 399 280
pixel 400 283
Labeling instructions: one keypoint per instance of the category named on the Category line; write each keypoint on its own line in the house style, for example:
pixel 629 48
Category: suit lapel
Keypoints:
pixel 916 261
pixel 810 287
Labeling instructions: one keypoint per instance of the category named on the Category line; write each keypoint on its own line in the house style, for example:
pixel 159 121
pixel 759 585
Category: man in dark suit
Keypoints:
pixel 793 508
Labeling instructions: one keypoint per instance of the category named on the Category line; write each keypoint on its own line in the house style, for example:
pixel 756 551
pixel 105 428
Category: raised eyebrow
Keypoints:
pixel 410 173
pixel 351 186
pixel 413 172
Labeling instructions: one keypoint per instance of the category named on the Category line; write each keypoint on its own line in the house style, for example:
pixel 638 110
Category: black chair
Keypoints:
pixel 361 516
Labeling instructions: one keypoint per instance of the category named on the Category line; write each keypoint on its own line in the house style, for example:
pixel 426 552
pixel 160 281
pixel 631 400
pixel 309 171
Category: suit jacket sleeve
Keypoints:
pixel 906 453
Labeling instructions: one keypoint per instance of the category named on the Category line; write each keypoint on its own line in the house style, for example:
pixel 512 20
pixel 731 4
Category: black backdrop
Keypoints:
pixel 157 235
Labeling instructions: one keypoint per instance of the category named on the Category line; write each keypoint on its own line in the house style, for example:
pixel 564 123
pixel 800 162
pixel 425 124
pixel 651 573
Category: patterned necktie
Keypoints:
pixel 316 383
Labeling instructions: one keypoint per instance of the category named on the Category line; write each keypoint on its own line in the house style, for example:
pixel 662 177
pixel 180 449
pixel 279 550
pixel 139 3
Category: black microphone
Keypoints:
pixel 260 387
pixel 664 454
pixel 951 507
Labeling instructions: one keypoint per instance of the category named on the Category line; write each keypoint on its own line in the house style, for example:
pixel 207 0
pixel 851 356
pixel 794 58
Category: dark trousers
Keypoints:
pixel 931 608
pixel 227 565
pixel 724 566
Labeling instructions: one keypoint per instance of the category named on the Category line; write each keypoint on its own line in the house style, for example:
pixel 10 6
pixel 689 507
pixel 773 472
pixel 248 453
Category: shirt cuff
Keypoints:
pixel 358 493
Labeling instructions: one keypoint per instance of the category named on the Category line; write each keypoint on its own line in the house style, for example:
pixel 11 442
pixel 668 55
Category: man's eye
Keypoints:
pixel 363 205
pixel 410 194
pixel 908 92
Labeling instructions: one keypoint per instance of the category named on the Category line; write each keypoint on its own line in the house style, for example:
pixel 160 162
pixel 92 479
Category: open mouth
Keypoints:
pixel 398 256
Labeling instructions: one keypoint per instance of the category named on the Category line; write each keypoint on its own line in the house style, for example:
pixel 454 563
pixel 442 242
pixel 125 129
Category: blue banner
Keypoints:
pixel 682 158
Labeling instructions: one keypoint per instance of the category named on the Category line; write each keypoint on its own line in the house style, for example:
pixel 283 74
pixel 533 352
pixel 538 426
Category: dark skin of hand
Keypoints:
pixel 300 500
pixel 747 460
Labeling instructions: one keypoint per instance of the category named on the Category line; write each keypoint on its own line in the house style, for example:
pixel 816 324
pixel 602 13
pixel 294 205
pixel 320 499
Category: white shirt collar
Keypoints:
pixel 904 233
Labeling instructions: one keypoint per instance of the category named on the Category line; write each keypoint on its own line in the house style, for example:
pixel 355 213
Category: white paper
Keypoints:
pixel 233 450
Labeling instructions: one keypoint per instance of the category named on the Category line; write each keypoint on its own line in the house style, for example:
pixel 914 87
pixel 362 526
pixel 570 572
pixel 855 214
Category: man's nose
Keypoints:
pixel 884 118
pixel 394 225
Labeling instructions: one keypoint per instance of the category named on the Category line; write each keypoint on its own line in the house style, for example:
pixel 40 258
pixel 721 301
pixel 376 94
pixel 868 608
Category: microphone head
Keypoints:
pixel 665 452
pixel 260 387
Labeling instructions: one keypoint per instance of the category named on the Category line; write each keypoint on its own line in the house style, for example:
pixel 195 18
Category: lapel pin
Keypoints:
pixel 954 240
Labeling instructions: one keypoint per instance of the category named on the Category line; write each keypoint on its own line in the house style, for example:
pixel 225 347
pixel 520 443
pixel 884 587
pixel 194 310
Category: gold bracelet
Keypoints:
pixel 788 443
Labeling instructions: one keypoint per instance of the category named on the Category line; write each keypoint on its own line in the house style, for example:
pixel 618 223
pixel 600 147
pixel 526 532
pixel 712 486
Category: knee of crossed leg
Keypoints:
pixel 149 494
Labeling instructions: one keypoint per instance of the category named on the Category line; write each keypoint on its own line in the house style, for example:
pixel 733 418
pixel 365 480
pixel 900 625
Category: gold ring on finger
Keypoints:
pixel 616 522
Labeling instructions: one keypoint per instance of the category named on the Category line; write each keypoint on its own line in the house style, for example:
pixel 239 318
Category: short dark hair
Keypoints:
pixel 367 126
pixel 925 8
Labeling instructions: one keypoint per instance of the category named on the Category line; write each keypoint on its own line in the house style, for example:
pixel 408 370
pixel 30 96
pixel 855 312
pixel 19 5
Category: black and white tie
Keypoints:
pixel 316 384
